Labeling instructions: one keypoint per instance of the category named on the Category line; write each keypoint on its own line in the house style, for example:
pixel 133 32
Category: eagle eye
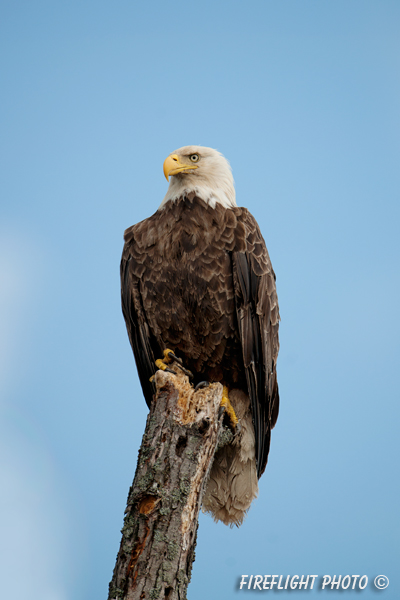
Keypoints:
pixel 194 157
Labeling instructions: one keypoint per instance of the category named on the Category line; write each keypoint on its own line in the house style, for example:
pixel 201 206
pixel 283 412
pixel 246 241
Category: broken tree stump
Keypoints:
pixel 182 433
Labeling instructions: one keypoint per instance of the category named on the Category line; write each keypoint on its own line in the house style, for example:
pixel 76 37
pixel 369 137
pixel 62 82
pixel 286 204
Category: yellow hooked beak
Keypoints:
pixel 172 166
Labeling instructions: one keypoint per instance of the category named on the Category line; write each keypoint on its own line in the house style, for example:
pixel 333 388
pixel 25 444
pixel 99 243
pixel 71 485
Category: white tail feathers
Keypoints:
pixel 233 484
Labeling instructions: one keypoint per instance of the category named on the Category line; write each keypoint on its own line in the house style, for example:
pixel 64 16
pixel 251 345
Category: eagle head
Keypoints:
pixel 201 170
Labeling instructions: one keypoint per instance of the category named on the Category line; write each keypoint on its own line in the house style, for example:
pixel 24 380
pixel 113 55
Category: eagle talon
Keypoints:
pixel 186 371
pixel 202 385
pixel 160 364
pixel 169 354
pixel 170 357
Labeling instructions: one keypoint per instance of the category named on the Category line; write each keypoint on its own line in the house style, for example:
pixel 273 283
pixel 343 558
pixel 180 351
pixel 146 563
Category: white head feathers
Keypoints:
pixel 211 178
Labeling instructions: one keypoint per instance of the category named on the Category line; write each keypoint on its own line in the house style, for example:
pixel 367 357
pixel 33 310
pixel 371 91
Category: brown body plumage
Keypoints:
pixel 197 278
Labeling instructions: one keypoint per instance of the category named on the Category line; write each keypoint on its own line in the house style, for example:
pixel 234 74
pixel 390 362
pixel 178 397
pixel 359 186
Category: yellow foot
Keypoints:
pixel 225 403
pixel 168 358
pixel 161 363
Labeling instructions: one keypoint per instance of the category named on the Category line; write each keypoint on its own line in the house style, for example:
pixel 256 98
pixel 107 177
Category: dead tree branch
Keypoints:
pixel 161 518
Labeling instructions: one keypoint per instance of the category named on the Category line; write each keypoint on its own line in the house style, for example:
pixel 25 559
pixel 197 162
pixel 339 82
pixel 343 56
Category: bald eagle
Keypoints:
pixel 196 278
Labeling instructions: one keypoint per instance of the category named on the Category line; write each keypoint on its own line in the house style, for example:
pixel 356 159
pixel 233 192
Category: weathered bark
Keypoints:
pixel 159 534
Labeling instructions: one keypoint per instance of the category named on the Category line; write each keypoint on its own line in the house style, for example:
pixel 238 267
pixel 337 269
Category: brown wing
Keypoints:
pixel 258 319
pixel 143 343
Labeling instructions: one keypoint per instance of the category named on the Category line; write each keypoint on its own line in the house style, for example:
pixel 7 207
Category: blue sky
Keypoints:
pixel 303 98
